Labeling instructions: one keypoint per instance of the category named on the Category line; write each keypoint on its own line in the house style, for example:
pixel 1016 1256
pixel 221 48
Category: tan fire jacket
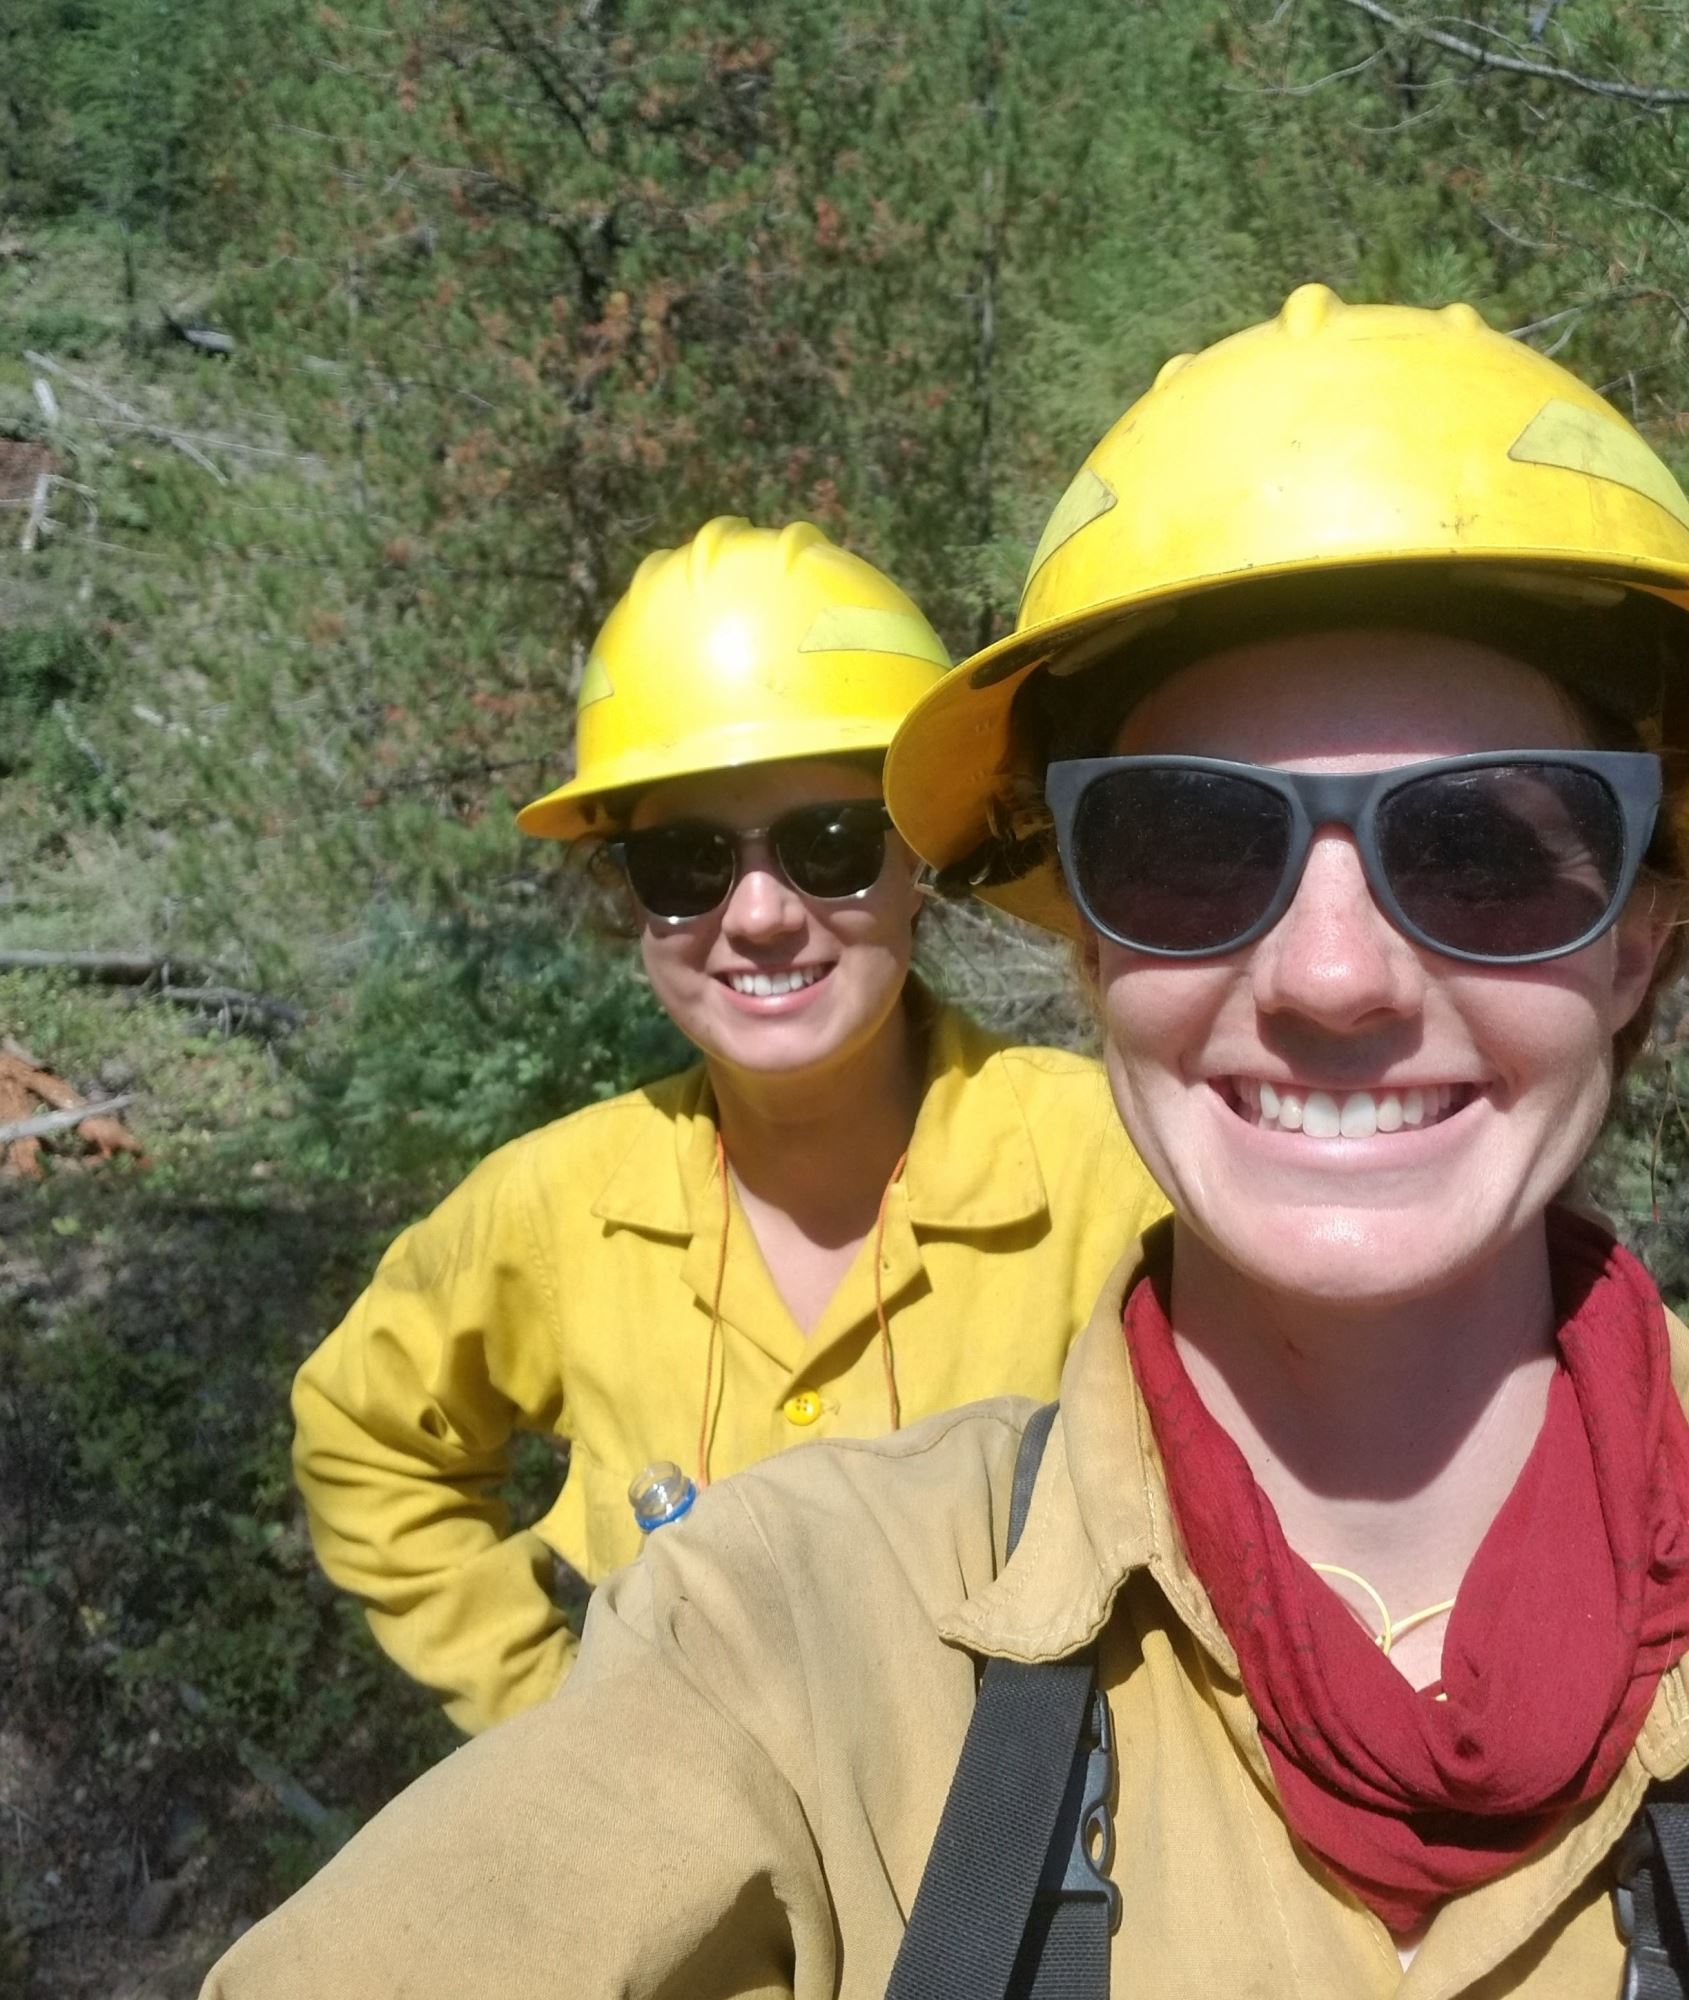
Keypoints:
pixel 735 1792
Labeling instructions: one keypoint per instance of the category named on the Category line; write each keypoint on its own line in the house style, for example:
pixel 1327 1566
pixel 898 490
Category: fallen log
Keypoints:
pixel 184 985
pixel 45 1123
pixel 118 968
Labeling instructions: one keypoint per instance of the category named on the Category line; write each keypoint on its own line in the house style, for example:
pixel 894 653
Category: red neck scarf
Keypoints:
pixel 1574 1605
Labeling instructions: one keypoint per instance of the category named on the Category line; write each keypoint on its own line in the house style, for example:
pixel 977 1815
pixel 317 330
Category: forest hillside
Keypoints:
pixel 350 357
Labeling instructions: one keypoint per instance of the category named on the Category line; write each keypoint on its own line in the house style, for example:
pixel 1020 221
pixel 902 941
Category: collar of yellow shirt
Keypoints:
pixel 972 1167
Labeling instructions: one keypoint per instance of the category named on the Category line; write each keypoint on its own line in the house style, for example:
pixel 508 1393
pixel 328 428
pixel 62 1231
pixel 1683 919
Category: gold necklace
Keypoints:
pixel 1392 1628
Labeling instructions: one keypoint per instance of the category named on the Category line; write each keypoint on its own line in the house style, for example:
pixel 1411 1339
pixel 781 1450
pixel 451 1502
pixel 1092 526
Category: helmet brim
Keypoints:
pixel 598 805
pixel 958 750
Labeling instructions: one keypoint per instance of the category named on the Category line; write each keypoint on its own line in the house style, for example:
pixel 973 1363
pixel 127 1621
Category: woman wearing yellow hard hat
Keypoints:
pixel 858 1209
pixel 1343 1651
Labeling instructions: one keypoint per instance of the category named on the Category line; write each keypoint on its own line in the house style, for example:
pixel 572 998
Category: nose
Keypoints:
pixel 1334 957
pixel 763 905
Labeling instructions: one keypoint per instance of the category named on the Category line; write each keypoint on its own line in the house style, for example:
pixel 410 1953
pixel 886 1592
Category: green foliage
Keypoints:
pixel 1641 1172
pixel 42 667
pixel 111 105
pixel 48 673
pixel 34 121
pixel 472 1033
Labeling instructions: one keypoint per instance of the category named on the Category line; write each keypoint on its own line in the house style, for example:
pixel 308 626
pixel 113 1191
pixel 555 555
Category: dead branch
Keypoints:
pixel 77 737
pixel 151 717
pixel 170 434
pixel 1658 95
pixel 1321 82
pixel 230 1002
pixel 207 339
pixel 45 1123
pixel 162 433
pixel 1613 200
pixel 325 1821
pixel 37 512
pixel 1570 318
pixel 192 986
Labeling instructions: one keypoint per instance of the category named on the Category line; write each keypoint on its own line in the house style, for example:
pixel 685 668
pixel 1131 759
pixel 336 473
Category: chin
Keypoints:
pixel 772 1047
pixel 1362 1259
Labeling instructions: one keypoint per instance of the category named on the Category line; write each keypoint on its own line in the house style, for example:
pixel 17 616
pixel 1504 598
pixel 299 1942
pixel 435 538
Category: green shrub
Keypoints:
pixel 471 1031
pixel 1641 1172
pixel 42 668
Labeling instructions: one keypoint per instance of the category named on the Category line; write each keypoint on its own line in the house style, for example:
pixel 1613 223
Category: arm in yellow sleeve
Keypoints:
pixel 403 1416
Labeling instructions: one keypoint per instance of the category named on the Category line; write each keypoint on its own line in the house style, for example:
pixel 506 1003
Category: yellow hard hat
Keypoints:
pixel 1332 438
pixel 744 646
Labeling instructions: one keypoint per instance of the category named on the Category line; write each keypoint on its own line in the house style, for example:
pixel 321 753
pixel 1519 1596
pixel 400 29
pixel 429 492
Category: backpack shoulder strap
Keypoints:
pixel 1012 1905
pixel 1651 1896
pixel 1027 1461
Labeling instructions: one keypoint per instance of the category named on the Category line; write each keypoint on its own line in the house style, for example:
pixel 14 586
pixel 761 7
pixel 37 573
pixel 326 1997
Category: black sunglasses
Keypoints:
pixel 1504 858
pixel 688 867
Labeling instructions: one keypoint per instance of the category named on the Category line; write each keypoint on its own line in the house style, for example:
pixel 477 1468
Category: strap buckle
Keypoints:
pixel 1630 1857
pixel 1648 1970
pixel 1082 1851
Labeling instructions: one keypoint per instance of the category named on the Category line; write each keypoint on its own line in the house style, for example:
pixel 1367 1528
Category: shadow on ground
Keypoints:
pixel 192 1719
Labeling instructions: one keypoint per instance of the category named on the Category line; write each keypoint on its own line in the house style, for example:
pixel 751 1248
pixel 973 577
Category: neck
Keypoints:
pixel 819 1145
pixel 1387 1440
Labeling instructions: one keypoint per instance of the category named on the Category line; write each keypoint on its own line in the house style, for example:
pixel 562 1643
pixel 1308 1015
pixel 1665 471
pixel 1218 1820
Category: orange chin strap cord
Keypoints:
pixel 893 1403
pixel 715 1312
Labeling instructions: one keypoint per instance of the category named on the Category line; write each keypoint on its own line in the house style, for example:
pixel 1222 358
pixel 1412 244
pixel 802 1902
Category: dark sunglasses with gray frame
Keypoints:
pixel 1506 857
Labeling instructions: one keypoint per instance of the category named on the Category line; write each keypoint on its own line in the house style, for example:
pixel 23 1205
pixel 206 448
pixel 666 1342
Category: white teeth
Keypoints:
pixel 1320 1117
pixel 1357 1114
pixel 769 985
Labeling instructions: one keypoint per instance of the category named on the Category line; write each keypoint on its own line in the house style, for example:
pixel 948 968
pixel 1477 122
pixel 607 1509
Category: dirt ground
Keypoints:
pixel 102 1907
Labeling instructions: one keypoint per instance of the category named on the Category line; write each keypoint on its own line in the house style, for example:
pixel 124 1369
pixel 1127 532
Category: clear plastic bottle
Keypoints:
pixel 660 1494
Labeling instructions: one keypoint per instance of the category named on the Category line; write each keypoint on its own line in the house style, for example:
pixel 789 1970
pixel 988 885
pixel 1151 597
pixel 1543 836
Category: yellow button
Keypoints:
pixel 803 1408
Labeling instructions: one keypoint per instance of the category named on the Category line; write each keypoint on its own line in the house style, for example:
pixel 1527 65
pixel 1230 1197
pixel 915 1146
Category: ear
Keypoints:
pixel 1640 937
pixel 1088 957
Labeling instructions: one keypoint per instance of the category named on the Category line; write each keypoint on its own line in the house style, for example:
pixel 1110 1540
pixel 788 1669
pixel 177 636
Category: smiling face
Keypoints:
pixel 1336 1112
pixel 773 981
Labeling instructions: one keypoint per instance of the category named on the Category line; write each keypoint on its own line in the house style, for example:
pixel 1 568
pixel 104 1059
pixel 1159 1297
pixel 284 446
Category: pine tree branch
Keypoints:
pixel 1595 86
